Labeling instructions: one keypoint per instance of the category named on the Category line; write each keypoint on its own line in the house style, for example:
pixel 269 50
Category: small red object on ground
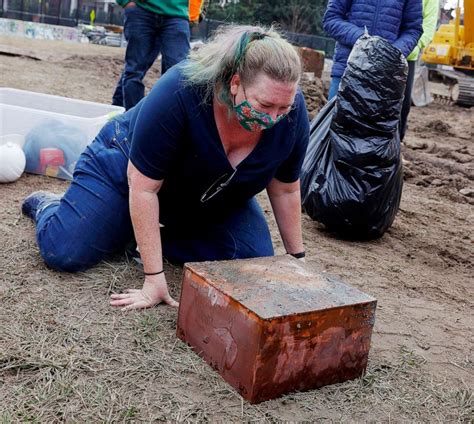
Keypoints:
pixel 51 159
pixel 271 326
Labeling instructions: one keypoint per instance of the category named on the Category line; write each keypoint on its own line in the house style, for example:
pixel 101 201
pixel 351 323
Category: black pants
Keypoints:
pixel 407 99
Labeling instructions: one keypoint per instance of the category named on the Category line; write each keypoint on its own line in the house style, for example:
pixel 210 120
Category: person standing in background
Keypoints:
pixel 150 27
pixel 430 19
pixel 397 21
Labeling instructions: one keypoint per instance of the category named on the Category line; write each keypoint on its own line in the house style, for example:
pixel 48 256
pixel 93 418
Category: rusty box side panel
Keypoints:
pixel 303 352
pixel 220 330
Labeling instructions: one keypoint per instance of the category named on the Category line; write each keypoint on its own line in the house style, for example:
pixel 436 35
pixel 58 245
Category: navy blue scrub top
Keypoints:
pixel 175 139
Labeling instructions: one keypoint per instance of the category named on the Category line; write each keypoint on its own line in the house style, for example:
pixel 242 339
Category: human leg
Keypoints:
pixel 174 41
pixel 334 87
pixel 117 97
pixel 140 33
pixel 92 219
pixel 244 234
pixel 407 99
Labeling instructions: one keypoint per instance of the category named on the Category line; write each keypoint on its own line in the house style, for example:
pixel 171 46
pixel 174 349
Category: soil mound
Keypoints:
pixel 315 94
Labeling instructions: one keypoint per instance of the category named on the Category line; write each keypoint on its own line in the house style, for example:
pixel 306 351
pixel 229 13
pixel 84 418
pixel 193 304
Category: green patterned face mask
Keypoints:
pixel 254 120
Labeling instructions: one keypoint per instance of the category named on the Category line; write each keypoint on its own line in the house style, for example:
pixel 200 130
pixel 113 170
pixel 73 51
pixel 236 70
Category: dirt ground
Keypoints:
pixel 65 355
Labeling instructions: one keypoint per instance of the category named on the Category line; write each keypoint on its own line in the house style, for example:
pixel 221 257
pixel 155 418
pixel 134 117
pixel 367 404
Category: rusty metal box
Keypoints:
pixel 271 326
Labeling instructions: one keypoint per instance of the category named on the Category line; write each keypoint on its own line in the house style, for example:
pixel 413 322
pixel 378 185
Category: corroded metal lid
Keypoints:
pixel 278 286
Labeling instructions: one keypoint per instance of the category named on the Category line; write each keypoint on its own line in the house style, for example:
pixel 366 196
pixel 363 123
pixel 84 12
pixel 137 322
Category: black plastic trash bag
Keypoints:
pixel 352 174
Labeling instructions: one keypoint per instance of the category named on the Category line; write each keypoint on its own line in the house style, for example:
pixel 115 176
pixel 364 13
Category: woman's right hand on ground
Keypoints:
pixel 154 292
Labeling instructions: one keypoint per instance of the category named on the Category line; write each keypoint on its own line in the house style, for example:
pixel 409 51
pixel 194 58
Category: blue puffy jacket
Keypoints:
pixel 398 21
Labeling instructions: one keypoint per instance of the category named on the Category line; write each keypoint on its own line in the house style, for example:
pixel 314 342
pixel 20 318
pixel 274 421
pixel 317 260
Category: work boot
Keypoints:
pixel 37 201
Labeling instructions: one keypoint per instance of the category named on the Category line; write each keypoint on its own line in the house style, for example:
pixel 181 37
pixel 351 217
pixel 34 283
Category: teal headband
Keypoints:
pixel 245 40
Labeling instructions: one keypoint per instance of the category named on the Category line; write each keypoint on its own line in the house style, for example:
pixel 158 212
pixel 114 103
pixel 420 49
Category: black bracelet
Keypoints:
pixel 299 255
pixel 154 273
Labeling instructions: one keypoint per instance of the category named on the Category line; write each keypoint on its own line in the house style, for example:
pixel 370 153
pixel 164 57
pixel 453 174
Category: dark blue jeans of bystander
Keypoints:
pixel 148 35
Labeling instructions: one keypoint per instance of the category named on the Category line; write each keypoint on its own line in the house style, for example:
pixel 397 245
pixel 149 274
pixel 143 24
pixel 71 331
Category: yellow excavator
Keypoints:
pixel 450 59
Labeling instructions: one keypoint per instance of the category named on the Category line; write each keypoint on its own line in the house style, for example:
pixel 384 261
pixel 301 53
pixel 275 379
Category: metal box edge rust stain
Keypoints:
pixel 270 326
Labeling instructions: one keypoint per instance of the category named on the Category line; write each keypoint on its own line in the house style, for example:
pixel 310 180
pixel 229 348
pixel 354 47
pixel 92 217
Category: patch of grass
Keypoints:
pixel 143 373
pixel 402 389
pixel 65 355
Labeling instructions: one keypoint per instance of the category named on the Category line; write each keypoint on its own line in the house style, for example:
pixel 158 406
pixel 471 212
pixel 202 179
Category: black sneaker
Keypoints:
pixel 36 201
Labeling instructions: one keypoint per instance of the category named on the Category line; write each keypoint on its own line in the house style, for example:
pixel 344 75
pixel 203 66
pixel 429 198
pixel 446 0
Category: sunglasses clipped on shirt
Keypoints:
pixel 217 186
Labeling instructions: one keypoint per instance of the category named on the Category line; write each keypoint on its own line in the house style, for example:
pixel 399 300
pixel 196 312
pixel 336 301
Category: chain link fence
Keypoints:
pixel 316 42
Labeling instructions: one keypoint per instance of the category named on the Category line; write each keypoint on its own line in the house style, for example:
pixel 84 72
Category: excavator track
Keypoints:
pixel 451 87
pixel 463 92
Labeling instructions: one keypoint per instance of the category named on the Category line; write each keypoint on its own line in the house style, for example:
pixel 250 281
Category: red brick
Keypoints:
pixel 270 326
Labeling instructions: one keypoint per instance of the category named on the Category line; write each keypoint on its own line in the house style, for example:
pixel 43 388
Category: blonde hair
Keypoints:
pixel 243 50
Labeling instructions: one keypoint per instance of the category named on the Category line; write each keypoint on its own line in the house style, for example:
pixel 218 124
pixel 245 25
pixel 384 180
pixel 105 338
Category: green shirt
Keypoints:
pixel 174 8
pixel 430 19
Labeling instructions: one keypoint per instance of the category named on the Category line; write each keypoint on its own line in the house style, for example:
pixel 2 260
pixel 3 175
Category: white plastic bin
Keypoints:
pixel 25 112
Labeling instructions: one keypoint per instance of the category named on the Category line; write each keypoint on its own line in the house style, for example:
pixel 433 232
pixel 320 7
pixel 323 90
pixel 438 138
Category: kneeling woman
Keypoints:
pixel 215 130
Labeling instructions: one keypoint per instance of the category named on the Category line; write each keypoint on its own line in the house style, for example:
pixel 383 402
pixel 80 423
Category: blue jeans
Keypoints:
pixel 334 87
pixel 147 35
pixel 407 99
pixel 92 220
